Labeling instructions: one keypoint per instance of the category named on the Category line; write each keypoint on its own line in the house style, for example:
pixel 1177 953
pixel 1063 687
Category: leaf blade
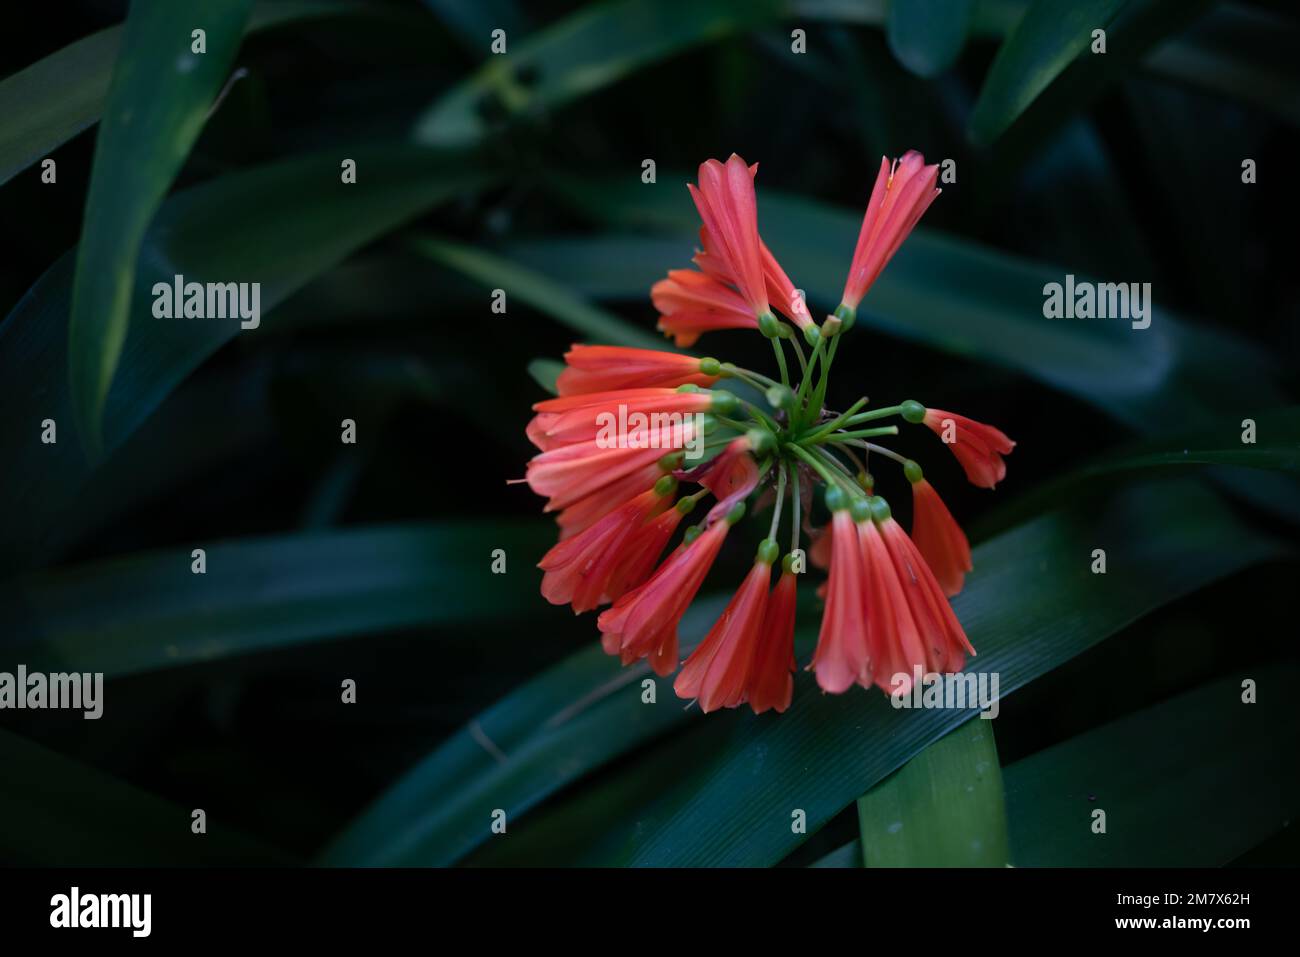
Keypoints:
pixel 943 808
pixel 161 92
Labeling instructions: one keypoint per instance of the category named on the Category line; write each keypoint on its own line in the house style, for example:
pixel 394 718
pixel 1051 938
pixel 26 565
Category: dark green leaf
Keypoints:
pixel 819 756
pixel 260 594
pixel 586 51
pixel 943 808
pixel 1199 806
pixel 545 372
pixel 927 35
pixel 160 96
pixel 1045 41
pixel 1192 782
pixel 553 729
pixel 939 290
pixel 280 225
pixel 539 292
pixel 1276 448
pixel 72 814
pixel 474 22
pixel 728 801
pixel 54 99
pixel 1137 28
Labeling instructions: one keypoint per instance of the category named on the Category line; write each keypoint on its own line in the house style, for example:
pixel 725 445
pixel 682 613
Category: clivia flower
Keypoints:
pixel 639 437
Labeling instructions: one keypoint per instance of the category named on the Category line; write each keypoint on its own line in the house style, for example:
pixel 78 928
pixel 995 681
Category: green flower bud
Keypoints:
pixel 836 498
pixel 723 402
pixel 769 325
pixel 913 411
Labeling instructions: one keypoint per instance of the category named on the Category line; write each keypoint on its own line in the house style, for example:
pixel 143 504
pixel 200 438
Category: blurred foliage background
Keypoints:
pixel 523 172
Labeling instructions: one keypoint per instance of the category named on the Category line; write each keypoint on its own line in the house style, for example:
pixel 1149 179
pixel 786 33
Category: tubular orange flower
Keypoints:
pixel 978 447
pixel 771 679
pixel 586 510
pixel 643 548
pixel 616 462
pixel 841 657
pixel 581 418
pixel 937 535
pixel 944 642
pixel 578 569
pixel 692 303
pixel 901 195
pixel 604 368
pixel 717 672
pixel 643 623
pixel 895 643
pixel 725 200
pixel 570 472
pixel 731 476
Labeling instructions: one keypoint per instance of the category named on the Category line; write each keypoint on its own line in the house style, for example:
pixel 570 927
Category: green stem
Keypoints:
pixel 815 465
pixel 798 513
pixel 836 423
pixel 874 414
pixel 798 351
pixel 780 501
pixel 819 397
pixel 887 453
pixel 844 474
pixel 860 434
pixel 767 421
pixel 756 379
pixel 797 417
pixel 780 361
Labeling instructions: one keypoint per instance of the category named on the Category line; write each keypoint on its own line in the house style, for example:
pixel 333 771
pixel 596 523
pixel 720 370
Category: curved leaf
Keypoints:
pixel 586 51
pixel 943 808
pixel 569 720
pixel 927 35
pixel 942 291
pixel 1045 41
pixel 1228 789
pixel 280 225
pixel 1276 448
pixel 259 594
pixel 539 292
pixel 161 93
pixel 723 794
pixel 1231 786
pixel 48 103
pixel 115 823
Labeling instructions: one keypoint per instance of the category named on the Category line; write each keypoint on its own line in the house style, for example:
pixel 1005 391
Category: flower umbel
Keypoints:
pixel 639 437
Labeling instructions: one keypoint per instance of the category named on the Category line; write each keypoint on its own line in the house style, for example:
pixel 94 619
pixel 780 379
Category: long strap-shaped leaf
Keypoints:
pixel 940 290
pixel 1204 805
pixel 48 103
pixel 943 808
pixel 280 224
pixel 266 593
pixel 579 54
pixel 826 751
pixel 173 60
pixel 72 814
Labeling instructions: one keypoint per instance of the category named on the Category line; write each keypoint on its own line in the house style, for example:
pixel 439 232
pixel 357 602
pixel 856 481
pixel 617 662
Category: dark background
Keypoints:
pixel 1139 180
